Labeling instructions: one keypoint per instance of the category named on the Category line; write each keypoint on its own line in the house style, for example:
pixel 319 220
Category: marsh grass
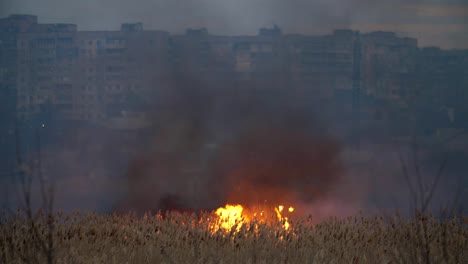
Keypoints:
pixel 177 238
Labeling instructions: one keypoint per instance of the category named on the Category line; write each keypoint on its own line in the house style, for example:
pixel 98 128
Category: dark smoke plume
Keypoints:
pixel 246 147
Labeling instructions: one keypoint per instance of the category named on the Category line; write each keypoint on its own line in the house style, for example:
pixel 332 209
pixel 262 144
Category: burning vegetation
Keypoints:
pixel 184 238
pixel 265 153
pixel 232 217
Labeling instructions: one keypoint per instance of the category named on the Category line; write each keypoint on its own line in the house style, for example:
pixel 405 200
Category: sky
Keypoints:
pixel 434 22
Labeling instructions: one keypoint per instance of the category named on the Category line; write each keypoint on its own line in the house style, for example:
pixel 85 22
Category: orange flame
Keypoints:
pixel 234 216
pixel 285 221
pixel 230 216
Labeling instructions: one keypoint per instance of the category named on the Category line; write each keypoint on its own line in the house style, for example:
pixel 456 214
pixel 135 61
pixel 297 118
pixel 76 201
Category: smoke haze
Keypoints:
pixel 210 144
pixel 433 22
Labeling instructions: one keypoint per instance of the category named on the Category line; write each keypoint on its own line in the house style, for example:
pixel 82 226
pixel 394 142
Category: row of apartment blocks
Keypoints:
pixel 96 75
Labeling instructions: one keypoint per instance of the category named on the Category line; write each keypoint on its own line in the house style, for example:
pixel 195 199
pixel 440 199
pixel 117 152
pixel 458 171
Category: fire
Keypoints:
pixel 278 211
pixel 232 216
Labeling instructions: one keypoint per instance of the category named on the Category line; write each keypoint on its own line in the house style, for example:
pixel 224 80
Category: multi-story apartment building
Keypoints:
pixel 10 28
pixel 270 59
pixel 442 87
pixel 104 76
pixel 388 81
pixel 443 73
pixel 46 69
pixel 118 70
pixel 323 64
pixel 263 59
pixel 388 65
pixel 95 76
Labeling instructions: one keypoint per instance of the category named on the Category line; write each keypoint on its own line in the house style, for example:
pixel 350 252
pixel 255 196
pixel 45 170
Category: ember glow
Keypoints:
pixel 235 216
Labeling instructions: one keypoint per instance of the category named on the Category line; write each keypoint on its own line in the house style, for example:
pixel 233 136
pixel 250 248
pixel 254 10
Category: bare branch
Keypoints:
pixel 407 179
pixel 40 175
pixel 419 181
pixel 25 175
pixel 428 198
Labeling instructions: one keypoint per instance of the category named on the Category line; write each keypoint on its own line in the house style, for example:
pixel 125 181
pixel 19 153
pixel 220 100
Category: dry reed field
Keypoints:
pixel 184 238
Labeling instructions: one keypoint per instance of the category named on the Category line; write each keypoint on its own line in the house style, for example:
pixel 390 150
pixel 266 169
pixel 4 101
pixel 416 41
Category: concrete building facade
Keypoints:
pixel 103 76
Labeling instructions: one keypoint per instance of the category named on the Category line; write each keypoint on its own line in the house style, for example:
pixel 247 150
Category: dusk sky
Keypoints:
pixel 434 22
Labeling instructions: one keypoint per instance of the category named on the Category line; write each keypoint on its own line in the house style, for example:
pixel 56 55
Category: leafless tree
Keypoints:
pixel 35 220
pixel 422 194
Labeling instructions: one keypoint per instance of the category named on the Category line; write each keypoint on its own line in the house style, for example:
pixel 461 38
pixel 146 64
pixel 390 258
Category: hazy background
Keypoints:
pixel 94 173
pixel 434 22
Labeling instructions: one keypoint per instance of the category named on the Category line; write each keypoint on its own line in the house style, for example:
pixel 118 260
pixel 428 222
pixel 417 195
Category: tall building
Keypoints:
pixel 46 67
pixel 96 76
pixel 388 81
pixel 442 87
pixel 388 65
pixel 324 64
pixel 117 72
pixel 112 78
pixel 10 28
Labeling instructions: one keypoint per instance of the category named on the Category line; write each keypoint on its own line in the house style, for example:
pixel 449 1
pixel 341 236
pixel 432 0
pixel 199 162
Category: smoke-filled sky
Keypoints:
pixel 96 171
pixel 434 22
